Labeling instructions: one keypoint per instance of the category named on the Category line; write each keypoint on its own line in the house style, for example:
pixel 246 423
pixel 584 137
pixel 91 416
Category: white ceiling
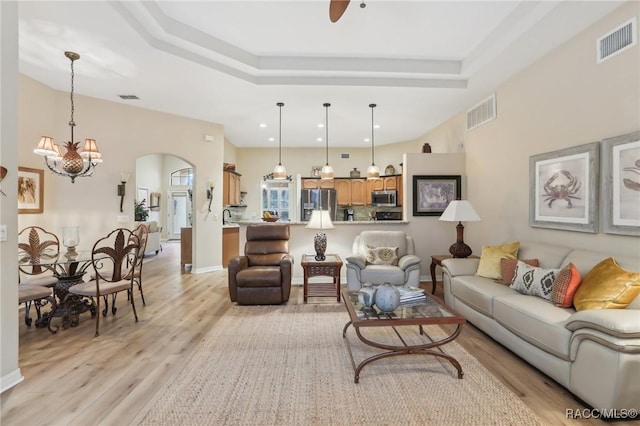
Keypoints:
pixel 230 62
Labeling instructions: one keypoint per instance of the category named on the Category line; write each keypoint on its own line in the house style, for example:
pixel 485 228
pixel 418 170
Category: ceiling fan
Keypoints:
pixel 337 8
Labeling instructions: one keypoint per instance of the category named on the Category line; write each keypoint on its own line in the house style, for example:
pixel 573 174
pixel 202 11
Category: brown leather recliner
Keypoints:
pixel 263 275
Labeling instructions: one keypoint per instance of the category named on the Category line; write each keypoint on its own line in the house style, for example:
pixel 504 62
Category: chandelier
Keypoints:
pixel 72 164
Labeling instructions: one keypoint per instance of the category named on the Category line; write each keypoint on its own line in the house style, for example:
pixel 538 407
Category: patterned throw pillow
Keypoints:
pixel 489 266
pixel 565 286
pixel 382 255
pixel 534 281
pixel 508 268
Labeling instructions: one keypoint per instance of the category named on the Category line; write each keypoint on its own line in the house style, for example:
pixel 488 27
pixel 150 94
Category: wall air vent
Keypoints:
pixel 345 155
pixel 617 41
pixel 129 97
pixel 481 113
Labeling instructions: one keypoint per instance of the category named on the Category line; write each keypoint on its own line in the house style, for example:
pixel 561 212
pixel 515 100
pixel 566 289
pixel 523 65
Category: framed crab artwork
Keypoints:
pixel 620 181
pixel 563 190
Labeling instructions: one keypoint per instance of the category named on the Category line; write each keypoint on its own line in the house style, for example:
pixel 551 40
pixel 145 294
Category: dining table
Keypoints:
pixel 70 269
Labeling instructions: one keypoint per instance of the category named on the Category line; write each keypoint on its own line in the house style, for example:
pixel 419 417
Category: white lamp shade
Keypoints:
pixel 326 172
pixel 460 211
pixel 46 146
pixel 320 219
pixel 279 172
pixel 373 172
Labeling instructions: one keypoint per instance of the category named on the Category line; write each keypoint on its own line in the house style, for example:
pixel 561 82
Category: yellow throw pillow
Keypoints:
pixel 489 265
pixel 607 286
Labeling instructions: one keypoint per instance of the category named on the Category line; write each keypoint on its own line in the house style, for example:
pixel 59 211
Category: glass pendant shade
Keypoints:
pixel 326 172
pixel 373 172
pixel 280 171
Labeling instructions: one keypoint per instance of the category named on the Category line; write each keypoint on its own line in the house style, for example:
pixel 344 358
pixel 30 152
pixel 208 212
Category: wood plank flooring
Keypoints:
pixel 73 378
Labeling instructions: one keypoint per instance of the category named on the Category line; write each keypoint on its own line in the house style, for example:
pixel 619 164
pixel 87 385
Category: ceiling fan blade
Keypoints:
pixel 337 8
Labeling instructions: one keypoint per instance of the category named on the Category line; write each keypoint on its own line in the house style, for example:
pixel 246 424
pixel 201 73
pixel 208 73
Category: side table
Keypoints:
pixel 330 267
pixel 436 260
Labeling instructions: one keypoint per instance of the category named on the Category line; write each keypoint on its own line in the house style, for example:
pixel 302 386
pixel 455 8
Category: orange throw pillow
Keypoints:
pixel 565 286
pixel 508 268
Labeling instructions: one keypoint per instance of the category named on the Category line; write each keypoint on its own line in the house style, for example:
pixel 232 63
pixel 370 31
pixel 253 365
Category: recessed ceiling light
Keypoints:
pixel 320 125
pixel 272 139
pixel 263 125
pixel 367 140
pixel 319 139
pixel 377 126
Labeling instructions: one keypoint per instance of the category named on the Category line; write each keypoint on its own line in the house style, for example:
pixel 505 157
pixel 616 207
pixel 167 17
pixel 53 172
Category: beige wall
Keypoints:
pixel 124 134
pixel 563 100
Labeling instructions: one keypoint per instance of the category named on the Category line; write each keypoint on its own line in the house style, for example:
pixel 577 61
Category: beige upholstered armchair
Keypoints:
pixel 383 257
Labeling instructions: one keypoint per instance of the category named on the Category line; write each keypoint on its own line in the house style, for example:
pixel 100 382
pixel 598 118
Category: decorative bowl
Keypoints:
pixel 271 219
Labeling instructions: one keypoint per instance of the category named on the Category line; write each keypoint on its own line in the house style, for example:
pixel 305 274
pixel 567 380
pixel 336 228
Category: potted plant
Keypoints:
pixel 141 212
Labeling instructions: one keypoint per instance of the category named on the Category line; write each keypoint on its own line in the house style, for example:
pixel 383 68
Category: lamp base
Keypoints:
pixel 460 250
pixel 320 245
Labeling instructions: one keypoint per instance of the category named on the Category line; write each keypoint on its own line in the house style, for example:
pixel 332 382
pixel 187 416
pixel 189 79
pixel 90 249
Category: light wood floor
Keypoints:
pixel 73 378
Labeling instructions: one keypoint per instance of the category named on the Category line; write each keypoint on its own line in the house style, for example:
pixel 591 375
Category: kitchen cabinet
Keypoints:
pixel 230 244
pixel 230 188
pixel 351 192
pixel 313 183
pixel 385 183
pixel 400 190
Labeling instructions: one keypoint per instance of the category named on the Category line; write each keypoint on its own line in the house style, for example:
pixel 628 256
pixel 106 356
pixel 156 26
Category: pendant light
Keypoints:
pixel 327 171
pixel 372 171
pixel 74 163
pixel 280 172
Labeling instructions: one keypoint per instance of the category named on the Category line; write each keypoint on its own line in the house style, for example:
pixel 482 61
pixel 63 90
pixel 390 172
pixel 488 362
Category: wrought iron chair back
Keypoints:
pixel 36 243
pixel 142 232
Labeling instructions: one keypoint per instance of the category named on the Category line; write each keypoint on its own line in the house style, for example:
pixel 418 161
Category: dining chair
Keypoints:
pixel 142 232
pixel 34 280
pixel 113 259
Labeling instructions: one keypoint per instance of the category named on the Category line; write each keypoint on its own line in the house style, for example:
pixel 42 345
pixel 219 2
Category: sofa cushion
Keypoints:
pixel 565 286
pixel 508 268
pixel 382 255
pixel 478 292
pixel 489 266
pixel 607 286
pixel 534 281
pixel 380 274
pixel 535 320
pixel 259 276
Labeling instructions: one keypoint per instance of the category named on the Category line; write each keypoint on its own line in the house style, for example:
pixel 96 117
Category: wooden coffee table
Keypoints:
pixel 432 311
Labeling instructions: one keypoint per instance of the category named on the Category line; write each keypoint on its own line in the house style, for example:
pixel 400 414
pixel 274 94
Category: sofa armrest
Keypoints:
pixel 615 322
pixel 408 260
pixel 358 260
pixel 236 264
pixel 456 266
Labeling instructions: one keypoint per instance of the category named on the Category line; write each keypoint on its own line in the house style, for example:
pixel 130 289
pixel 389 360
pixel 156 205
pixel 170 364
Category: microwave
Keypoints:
pixel 384 198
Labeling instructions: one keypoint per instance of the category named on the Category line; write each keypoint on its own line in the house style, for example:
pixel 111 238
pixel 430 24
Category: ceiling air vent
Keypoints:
pixel 481 113
pixel 617 41
pixel 128 97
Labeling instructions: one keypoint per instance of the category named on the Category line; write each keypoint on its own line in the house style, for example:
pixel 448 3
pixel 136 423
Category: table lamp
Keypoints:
pixel 321 220
pixel 459 211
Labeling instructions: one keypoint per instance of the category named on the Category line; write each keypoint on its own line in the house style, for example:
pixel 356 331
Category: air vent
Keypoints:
pixel 345 155
pixel 617 41
pixel 128 97
pixel 481 113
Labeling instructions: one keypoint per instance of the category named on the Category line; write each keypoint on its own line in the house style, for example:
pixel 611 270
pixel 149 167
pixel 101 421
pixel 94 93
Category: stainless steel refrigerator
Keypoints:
pixel 313 199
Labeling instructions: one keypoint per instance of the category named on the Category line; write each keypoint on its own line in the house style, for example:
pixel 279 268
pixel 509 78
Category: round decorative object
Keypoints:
pixel 390 170
pixel 387 298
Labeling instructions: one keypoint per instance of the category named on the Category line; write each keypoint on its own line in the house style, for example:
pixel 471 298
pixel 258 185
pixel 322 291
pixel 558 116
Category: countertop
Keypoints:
pixel 336 223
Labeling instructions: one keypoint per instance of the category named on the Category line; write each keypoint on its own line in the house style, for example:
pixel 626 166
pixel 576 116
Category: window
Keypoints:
pixel 182 177
pixel 275 198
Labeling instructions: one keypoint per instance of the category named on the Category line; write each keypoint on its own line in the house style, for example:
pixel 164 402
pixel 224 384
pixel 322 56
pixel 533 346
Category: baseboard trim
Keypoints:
pixel 10 380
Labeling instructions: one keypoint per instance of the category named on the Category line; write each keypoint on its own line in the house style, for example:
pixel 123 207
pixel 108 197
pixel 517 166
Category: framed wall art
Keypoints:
pixel 432 194
pixel 315 171
pixel 563 191
pixel 30 190
pixel 620 181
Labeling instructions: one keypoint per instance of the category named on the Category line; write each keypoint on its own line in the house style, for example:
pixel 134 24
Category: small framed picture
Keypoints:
pixel 30 190
pixel 563 189
pixel 432 194
pixel 621 184
pixel 315 171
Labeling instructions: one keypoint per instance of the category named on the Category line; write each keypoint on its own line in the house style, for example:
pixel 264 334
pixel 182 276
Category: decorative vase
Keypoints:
pixel 355 173
pixel 426 148
pixel 387 297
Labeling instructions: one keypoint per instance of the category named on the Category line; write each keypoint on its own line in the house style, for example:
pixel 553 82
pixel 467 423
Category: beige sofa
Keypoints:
pixel 153 240
pixel 593 353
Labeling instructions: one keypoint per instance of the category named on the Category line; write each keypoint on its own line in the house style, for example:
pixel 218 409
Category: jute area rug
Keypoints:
pixel 289 365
